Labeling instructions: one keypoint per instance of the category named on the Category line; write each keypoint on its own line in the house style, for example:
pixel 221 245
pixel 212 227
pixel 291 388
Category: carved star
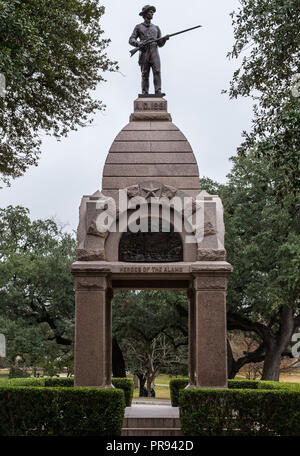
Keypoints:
pixel 150 192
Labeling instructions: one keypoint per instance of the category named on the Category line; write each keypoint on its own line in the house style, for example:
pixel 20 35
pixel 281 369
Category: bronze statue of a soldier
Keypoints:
pixel 149 56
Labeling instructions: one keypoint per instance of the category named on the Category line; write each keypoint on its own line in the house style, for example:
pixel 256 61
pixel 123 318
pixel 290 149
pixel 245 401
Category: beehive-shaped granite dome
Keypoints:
pixel 149 158
pixel 151 148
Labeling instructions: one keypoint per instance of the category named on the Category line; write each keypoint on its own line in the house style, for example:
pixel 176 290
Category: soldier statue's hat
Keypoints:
pixel 147 8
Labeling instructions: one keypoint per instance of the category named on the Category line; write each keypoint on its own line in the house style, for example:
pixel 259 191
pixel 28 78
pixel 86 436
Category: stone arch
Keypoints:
pixel 151 157
pixel 112 240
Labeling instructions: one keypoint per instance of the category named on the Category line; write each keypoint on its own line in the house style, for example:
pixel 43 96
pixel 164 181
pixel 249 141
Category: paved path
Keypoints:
pixel 151 401
pixel 151 411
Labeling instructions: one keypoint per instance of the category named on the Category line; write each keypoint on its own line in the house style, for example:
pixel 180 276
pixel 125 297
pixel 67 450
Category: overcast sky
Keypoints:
pixel 194 71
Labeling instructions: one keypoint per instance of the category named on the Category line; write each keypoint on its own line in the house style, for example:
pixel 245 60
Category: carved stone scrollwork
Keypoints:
pixel 168 191
pixel 151 190
pixel 93 230
pixel 133 191
pixel 209 229
pixel 90 255
pixel 102 203
pixel 211 255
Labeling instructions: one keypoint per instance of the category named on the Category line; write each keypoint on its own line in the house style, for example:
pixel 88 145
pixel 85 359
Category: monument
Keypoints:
pixel 149 56
pixel 151 227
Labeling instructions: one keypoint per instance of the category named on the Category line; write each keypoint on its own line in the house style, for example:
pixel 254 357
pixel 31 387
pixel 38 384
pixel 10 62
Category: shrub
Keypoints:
pixel 178 384
pixel 127 386
pixel 58 382
pixel 263 384
pixel 121 383
pixel 60 411
pixel 239 412
pixel 23 382
pixel 243 384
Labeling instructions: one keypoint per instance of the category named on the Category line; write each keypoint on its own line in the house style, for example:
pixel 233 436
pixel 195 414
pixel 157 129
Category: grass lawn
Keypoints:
pixel 294 378
pixel 4 373
pixel 162 390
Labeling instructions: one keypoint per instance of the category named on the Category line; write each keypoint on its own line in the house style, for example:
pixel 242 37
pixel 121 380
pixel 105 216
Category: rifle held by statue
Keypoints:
pixel 141 46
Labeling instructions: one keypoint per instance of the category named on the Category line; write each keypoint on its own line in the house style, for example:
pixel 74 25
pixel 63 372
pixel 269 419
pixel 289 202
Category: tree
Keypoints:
pixel 267 34
pixel 37 291
pixel 36 287
pixel 52 54
pixel 30 347
pixel 241 346
pixel 149 329
pixel 263 245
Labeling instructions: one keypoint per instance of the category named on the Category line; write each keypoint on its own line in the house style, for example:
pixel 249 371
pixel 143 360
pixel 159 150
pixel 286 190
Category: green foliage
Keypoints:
pixel 279 385
pixel 239 412
pixel 179 384
pixel 53 56
pixel 127 386
pixel 248 384
pixel 176 385
pixel 32 382
pixel 124 384
pixel 263 245
pixel 36 289
pixel 151 328
pixel 267 39
pixel 56 382
pixel 60 411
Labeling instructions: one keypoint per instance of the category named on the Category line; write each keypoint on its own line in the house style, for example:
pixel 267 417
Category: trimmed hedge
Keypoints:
pixel 121 383
pixel 34 382
pixel 127 386
pixel 243 384
pixel 56 382
pixel 33 411
pixel 178 384
pixel 239 412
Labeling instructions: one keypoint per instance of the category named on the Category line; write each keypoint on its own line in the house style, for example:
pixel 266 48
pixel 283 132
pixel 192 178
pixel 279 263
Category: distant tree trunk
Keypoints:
pixel 251 357
pixel 135 381
pixel 230 361
pixel 273 346
pixel 149 387
pixel 277 344
pixel 271 368
pixel 118 363
pixel 142 380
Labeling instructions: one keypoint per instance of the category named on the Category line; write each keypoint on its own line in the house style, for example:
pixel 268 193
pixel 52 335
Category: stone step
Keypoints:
pixel 148 426
pixel 151 431
pixel 151 422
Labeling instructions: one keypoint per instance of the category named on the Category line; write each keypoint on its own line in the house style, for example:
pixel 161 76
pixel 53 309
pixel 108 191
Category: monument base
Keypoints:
pixel 152 95
pixel 205 283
